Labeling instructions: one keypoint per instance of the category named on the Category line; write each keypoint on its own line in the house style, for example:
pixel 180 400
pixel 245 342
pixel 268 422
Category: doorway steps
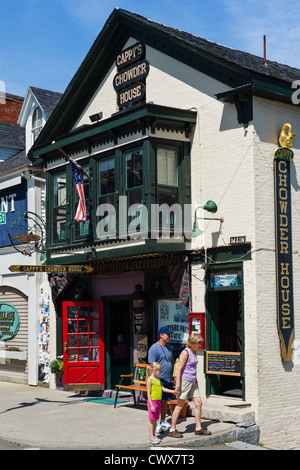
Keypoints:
pixel 227 409
pixel 231 410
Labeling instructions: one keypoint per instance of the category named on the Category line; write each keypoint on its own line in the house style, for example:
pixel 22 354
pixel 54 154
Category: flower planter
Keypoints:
pixel 173 403
pixel 19 355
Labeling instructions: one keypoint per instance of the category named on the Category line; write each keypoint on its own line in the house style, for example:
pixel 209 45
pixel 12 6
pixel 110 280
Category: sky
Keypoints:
pixel 44 42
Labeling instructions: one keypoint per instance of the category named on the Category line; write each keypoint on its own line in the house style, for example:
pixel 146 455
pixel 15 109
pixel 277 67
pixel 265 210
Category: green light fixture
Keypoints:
pixel 210 206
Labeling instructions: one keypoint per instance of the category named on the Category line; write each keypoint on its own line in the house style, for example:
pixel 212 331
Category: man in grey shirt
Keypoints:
pixel 161 353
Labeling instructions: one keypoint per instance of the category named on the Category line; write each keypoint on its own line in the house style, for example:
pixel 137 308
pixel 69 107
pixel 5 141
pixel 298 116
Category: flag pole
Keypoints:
pixel 67 156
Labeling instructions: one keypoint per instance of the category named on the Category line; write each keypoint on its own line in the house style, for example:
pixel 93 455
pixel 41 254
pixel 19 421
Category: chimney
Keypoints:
pixel 265 50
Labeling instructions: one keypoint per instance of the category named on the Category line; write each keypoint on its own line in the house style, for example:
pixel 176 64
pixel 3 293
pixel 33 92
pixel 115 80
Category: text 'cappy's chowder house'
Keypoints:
pixel 179 220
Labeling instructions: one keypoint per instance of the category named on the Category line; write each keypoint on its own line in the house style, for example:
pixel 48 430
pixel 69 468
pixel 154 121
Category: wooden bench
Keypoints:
pixel 138 382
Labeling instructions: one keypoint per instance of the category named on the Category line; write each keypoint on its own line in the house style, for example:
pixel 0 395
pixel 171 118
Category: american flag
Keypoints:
pixel 77 176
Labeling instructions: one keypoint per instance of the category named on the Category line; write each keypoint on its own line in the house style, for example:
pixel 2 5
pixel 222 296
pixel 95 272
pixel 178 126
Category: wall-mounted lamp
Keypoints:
pixel 96 117
pixel 210 206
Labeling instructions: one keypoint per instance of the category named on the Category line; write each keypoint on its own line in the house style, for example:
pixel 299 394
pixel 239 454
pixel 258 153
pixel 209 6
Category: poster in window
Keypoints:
pixel 173 314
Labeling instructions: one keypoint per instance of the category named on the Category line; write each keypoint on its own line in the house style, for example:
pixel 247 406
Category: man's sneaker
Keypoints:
pixel 165 425
pixel 159 428
pixel 153 440
pixel 175 433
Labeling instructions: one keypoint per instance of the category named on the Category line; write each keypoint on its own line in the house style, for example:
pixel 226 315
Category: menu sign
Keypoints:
pixel 223 363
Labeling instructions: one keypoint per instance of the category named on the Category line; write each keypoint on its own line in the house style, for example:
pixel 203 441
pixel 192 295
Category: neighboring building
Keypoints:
pixel 155 115
pixel 11 140
pixel 10 107
pixel 38 106
pixel 22 196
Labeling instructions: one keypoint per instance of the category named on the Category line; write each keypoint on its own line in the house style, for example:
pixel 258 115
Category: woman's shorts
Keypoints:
pixel 188 390
pixel 157 406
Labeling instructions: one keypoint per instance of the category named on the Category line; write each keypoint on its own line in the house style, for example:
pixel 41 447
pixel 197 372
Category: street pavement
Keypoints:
pixel 42 418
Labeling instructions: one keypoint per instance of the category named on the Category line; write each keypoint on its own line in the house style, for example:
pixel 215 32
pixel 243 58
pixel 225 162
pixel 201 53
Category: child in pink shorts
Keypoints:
pixel 154 394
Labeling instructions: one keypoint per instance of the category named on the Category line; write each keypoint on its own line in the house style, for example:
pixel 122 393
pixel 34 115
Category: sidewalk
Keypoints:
pixel 41 417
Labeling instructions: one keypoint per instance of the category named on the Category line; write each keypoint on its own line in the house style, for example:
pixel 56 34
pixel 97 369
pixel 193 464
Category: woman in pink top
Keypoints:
pixel 186 385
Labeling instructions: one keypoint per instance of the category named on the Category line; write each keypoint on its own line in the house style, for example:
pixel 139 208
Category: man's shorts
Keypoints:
pixel 170 386
pixel 188 390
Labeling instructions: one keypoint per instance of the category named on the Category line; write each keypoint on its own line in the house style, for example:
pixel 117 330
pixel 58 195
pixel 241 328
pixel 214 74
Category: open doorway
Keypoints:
pixel 225 308
pixel 118 339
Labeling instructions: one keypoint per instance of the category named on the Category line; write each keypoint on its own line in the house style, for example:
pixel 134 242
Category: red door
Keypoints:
pixel 83 338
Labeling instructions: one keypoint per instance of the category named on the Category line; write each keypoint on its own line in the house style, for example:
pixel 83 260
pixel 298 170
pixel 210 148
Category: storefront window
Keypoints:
pixel 59 206
pixel 173 314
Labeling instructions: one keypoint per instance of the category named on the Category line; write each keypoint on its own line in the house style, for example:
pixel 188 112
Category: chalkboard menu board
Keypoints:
pixel 223 363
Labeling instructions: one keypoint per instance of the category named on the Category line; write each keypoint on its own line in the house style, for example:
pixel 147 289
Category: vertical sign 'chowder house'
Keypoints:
pixel 283 231
pixel 132 70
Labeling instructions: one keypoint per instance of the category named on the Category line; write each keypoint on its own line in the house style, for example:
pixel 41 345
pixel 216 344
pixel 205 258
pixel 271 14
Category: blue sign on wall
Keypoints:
pixel 13 201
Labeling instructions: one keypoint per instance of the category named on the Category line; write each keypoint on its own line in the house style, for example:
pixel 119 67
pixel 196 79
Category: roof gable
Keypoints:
pixel 46 99
pixel 233 68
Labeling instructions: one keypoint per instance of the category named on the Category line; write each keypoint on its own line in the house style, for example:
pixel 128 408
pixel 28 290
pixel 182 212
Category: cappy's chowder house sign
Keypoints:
pixel 132 70
pixel 283 231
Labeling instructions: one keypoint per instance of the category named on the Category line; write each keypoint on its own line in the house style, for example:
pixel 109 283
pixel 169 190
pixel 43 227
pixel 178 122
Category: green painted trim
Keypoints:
pixel 152 247
pixel 119 120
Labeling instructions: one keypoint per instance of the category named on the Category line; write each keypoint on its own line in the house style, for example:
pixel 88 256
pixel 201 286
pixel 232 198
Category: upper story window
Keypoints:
pixel 37 123
pixel 106 208
pixel 134 188
pixel 82 229
pixel 167 175
pixel 107 181
pixel 59 206
pixel 167 185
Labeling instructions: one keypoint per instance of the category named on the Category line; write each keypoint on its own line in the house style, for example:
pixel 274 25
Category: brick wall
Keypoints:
pixel 10 110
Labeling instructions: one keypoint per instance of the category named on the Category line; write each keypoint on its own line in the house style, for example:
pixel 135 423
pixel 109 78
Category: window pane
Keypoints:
pixel 60 190
pixel 167 167
pixel 83 228
pixel 83 354
pixel 83 326
pixel 72 353
pixel 72 326
pixel 83 340
pixel 167 195
pixel 94 354
pixel 94 326
pixel 59 223
pixel 106 177
pixel 72 341
pixel 59 208
pixel 72 313
pixel 134 169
